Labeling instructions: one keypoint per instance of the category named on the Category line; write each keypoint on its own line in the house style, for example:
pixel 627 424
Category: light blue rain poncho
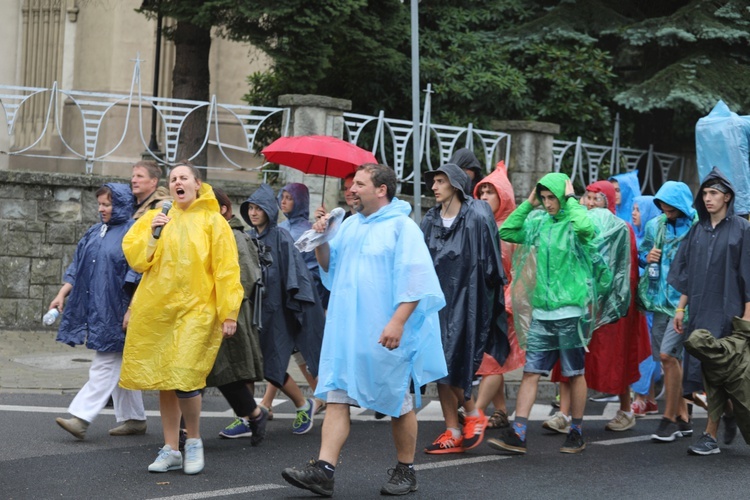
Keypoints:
pixel 376 263
pixel 298 220
pixel 678 195
pixel 629 189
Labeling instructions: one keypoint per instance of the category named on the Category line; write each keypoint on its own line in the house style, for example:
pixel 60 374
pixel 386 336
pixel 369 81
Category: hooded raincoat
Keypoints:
pixel 467 160
pixel 240 356
pixel 629 189
pixel 190 286
pixel 665 299
pixel 99 272
pixel 376 263
pixel 467 260
pixel 726 371
pixel 516 356
pixel 712 267
pixel 617 348
pixel 292 314
pixel 552 269
pixel 298 220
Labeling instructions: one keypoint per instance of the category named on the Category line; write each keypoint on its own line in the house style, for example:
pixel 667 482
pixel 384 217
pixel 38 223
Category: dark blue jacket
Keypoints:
pixel 98 301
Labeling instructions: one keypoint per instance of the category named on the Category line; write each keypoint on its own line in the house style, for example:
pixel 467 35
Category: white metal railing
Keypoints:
pixel 387 138
pixel 95 107
pixel 588 160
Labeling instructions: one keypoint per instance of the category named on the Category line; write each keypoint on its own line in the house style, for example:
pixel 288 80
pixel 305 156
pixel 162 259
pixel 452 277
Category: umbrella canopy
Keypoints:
pixel 318 154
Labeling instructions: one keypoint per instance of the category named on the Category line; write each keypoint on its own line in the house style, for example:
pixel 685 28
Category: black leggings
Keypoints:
pixel 239 398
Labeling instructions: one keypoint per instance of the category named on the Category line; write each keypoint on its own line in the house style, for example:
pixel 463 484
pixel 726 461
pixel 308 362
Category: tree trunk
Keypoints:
pixel 190 80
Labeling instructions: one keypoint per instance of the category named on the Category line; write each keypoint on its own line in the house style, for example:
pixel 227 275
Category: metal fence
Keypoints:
pixel 389 139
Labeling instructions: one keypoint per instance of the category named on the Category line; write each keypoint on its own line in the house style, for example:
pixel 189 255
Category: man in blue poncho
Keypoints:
pixel 382 330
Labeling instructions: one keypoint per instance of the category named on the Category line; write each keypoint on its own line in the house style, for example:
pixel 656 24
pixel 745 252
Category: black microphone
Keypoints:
pixel 165 210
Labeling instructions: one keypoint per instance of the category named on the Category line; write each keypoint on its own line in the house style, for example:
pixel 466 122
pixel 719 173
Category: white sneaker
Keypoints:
pixel 166 460
pixel 558 423
pixel 193 456
pixel 621 422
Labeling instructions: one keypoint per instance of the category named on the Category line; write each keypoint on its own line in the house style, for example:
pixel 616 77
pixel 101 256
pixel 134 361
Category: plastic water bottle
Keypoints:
pixel 51 316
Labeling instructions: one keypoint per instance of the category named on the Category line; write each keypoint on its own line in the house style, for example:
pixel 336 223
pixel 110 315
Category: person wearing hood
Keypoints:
pixel 468 162
pixel 188 299
pixel 497 191
pixel 627 187
pixel 382 328
pixel 616 349
pixel 294 202
pixel 644 404
pixel 239 362
pixel 292 315
pixel 664 235
pixel 712 274
pixel 461 235
pixel 98 290
pixel 560 290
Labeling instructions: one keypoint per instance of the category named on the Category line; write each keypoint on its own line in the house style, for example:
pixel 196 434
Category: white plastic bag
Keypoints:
pixel 311 238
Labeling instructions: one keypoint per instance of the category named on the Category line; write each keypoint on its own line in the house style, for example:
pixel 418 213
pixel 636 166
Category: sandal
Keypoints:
pixel 498 420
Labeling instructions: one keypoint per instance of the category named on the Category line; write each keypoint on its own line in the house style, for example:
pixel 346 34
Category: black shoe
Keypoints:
pixel 602 397
pixel 258 426
pixel 380 416
pixel 686 428
pixel 311 478
pixel 402 482
pixel 574 443
pixel 508 441
pixel 667 431
pixel 730 428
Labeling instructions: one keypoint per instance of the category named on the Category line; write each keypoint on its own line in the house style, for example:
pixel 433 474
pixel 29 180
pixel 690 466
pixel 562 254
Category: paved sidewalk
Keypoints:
pixel 33 361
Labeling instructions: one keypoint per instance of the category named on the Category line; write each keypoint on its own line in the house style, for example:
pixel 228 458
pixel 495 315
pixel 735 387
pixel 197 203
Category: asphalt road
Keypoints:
pixel 40 460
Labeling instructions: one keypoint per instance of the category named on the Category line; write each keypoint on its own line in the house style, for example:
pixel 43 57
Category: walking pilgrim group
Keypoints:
pixel 604 291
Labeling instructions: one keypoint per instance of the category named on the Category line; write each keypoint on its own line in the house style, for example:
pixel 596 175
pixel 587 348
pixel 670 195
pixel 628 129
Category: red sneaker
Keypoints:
pixel 474 430
pixel 651 407
pixel 639 407
pixel 446 443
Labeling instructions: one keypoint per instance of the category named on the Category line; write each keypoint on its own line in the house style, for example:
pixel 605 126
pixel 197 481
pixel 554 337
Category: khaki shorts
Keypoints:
pixel 339 396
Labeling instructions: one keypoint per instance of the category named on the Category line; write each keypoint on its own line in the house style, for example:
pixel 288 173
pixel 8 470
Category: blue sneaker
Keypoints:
pixel 304 420
pixel 240 428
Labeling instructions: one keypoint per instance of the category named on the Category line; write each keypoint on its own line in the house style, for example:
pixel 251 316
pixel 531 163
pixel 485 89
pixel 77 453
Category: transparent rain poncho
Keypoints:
pixel 584 279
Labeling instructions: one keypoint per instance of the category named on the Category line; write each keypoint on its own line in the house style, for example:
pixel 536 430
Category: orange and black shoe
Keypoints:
pixel 446 443
pixel 474 430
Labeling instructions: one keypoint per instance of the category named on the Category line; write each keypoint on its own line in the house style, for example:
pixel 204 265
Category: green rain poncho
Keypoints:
pixel 553 269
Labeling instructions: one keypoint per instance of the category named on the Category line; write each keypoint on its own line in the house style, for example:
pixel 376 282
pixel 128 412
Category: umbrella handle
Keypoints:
pixel 323 197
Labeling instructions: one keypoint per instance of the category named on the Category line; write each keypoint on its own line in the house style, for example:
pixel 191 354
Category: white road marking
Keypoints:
pixel 461 461
pixel 223 493
pixel 634 439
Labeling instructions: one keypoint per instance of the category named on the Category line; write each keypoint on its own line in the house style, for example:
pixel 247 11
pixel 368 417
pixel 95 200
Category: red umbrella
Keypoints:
pixel 318 154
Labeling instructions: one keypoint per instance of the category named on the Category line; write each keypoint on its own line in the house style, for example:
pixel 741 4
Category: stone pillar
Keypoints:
pixel 531 153
pixel 315 115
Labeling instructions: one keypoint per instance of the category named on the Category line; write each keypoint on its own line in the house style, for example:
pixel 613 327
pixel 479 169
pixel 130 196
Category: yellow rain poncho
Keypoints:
pixel 190 285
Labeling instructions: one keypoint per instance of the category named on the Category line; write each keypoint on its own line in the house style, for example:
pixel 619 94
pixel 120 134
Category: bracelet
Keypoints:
pixel 679 310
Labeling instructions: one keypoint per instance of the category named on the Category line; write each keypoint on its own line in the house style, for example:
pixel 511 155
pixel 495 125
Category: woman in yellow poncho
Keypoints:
pixel 188 298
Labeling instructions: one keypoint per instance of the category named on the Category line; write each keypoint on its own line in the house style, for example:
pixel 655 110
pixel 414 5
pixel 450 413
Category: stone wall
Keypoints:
pixel 42 217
